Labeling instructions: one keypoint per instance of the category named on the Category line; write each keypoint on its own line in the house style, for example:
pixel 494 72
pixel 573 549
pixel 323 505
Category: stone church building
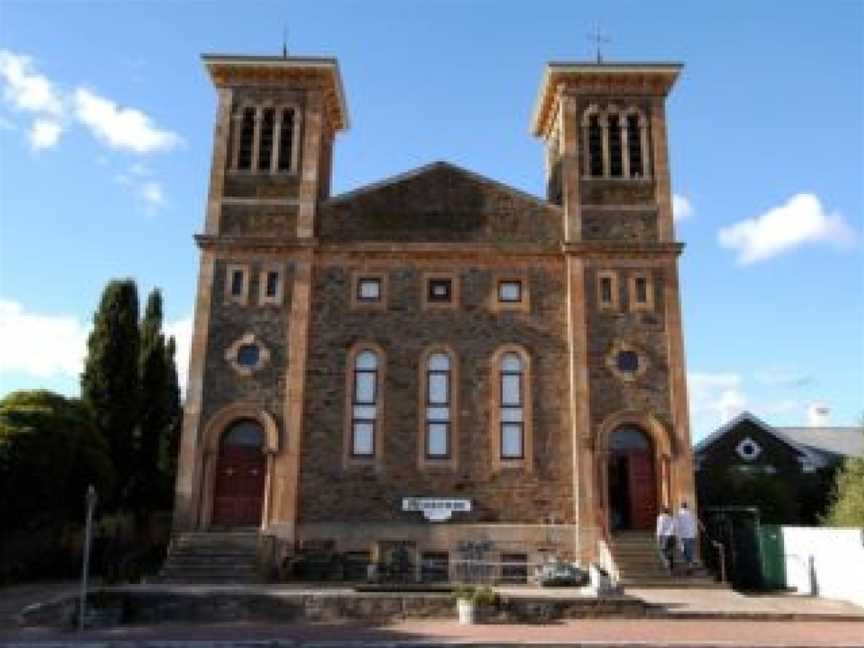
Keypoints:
pixel 436 358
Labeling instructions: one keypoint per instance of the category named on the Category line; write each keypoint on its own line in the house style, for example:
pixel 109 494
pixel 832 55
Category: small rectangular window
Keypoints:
pixel 368 289
pixel 237 283
pixel 606 290
pixel 272 284
pixel 641 290
pixel 440 290
pixel 510 291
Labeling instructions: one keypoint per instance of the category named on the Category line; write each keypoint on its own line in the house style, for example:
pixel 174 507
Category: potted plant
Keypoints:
pixel 470 599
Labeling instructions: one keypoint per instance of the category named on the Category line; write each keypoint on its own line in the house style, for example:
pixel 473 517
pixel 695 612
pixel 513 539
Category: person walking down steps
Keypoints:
pixel 685 529
pixel 666 538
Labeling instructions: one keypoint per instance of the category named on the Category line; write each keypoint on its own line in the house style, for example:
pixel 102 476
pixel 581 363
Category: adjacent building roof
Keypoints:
pixel 821 445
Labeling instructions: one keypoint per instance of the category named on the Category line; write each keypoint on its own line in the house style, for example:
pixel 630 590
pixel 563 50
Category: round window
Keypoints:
pixel 248 355
pixel 628 361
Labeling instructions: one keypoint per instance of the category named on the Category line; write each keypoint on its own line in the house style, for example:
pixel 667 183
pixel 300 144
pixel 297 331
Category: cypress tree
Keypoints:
pixel 171 438
pixel 154 417
pixel 110 381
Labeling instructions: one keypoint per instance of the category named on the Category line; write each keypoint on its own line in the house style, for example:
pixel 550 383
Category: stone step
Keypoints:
pixel 212 557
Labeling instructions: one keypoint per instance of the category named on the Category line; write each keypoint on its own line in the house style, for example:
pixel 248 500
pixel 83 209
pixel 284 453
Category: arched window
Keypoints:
pixel 634 146
pixel 286 140
pixel 265 144
pixel 247 134
pixel 364 404
pixel 616 165
pixel 512 421
pixel 595 146
pixel 438 406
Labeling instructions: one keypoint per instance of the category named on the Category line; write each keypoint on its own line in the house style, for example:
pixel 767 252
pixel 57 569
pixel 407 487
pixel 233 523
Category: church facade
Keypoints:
pixel 436 358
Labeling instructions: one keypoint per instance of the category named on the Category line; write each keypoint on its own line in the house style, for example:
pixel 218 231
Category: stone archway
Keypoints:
pixel 220 425
pixel 633 478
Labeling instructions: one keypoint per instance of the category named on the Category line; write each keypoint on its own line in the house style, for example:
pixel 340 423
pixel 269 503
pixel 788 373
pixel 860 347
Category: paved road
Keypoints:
pixel 595 633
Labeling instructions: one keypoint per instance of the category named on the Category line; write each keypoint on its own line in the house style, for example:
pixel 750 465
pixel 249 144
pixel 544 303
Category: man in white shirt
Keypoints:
pixel 685 529
pixel 666 538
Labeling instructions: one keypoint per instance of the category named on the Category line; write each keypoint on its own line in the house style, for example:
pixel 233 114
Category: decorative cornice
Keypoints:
pixel 655 79
pixel 312 72
pixel 264 244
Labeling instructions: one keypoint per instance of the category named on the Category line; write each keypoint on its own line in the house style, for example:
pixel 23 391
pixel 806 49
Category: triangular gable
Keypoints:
pixel 418 173
pixel 730 425
pixel 440 202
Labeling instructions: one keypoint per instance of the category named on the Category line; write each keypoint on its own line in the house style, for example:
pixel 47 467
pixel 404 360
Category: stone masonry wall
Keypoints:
pixel 330 492
pixel 228 322
pixel 644 330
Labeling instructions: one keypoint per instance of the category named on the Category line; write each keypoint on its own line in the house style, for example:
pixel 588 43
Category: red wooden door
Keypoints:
pixel 642 487
pixel 239 486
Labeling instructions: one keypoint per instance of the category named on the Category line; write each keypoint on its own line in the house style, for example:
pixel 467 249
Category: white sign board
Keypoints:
pixel 436 509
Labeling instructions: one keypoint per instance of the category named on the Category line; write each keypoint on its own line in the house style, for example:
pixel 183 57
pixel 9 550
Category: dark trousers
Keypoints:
pixel 667 550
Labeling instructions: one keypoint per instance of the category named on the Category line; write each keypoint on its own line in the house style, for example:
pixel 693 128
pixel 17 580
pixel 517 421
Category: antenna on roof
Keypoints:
pixel 598 37
pixel 285 41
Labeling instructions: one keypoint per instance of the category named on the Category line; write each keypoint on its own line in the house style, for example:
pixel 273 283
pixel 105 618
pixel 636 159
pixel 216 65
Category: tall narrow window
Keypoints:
pixel 237 283
pixel 512 420
pixel 595 146
pixel 634 146
pixel 616 168
pixel 641 285
pixel 286 140
pixel 364 404
pixel 265 145
pixel 247 133
pixel 438 400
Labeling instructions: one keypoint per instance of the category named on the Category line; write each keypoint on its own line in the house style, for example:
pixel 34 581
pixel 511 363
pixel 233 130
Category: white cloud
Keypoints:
pixel 151 192
pixel 121 128
pixel 40 345
pixel 26 89
pixel 716 395
pixel 682 208
pixel 45 346
pixel 182 331
pixel 799 221
pixel 45 133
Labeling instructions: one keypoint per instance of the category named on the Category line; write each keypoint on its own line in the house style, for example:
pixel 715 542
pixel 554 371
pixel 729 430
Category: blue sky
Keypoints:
pixel 106 124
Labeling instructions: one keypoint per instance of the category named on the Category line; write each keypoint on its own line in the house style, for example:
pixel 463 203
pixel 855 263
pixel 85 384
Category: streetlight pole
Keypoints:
pixel 88 537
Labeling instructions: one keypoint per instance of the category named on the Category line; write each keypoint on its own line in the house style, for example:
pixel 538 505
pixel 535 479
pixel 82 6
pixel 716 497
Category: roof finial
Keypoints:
pixel 285 41
pixel 598 37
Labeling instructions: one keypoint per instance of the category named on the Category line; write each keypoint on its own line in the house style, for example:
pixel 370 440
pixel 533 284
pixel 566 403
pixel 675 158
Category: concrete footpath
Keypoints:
pixel 599 633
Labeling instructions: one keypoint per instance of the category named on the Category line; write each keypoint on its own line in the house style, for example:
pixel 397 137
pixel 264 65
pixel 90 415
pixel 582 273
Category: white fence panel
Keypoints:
pixel 825 561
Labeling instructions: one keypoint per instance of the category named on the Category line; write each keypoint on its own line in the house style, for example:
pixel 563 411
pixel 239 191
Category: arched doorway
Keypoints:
pixel 238 491
pixel 632 480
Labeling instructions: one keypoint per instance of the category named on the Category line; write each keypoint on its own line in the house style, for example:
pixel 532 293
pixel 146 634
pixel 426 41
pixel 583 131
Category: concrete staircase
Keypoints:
pixel 212 557
pixel 639 565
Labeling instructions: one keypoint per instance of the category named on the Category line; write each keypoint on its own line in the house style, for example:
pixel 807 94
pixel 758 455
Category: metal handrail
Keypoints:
pixel 719 546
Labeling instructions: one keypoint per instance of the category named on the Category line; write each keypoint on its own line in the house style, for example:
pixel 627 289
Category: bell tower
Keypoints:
pixel 273 142
pixel 604 126
pixel 607 166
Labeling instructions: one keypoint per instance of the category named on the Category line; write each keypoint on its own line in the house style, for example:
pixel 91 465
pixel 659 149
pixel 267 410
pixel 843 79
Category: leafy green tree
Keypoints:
pixel 154 413
pixel 50 451
pixel 847 507
pixel 110 383
pixel 170 445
